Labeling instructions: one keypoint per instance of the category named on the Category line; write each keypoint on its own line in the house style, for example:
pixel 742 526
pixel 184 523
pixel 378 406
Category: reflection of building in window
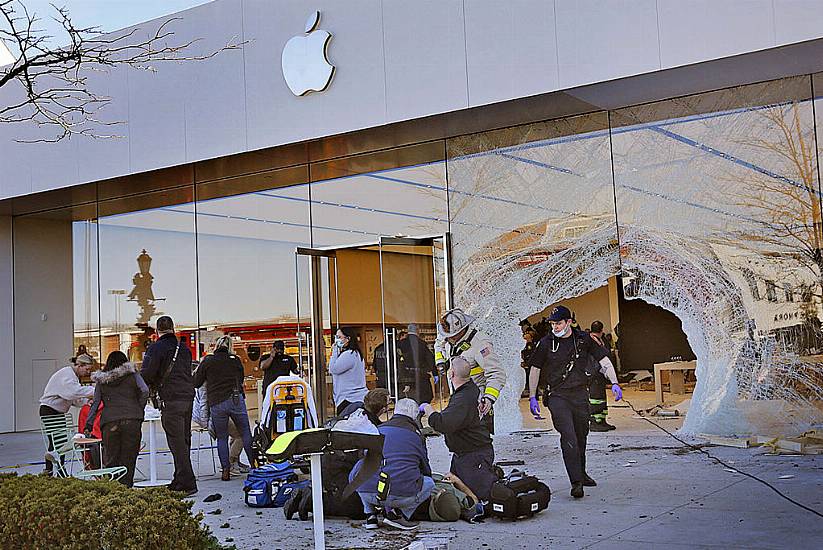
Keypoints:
pixel 787 288
pixel 748 274
pixel 574 232
pixel 771 291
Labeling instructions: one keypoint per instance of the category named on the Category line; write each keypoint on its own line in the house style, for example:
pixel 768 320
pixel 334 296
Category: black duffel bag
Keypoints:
pixel 518 495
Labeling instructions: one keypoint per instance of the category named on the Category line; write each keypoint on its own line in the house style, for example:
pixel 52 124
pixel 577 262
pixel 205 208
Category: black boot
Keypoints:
pixel 588 481
pixel 597 426
pixel 577 490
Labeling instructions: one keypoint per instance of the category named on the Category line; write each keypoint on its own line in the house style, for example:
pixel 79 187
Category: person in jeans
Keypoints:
pixel 63 391
pixel 222 371
pixel 171 377
pixel 406 463
pixel 124 394
pixel 202 417
pixel 347 369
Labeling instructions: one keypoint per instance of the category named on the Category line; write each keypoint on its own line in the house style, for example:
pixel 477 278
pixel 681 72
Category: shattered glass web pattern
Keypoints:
pixel 534 224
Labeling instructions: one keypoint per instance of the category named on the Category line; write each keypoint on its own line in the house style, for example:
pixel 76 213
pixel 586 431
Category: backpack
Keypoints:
pixel 518 495
pixel 265 486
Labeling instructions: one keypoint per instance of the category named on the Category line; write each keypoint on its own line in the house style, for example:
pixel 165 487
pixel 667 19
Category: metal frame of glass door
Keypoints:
pixel 316 345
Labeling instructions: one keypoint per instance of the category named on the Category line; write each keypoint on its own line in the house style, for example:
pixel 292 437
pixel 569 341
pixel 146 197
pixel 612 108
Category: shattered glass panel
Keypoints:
pixel 718 202
pixel 532 222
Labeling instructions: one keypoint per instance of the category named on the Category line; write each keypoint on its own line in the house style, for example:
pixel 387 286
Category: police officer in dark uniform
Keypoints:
pixel 563 362
pixel 278 364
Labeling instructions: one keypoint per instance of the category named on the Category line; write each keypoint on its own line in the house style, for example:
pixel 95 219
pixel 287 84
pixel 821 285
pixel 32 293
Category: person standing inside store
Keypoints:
pixel 456 337
pixel 562 361
pixel 419 361
pixel 123 394
pixel 347 369
pixel 222 371
pixel 278 364
pixel 167 371
pixel 530 337
pixel 598 406
pixel 63 390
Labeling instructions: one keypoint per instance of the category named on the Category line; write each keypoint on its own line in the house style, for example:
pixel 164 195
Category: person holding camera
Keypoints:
pixel 167 370
pixel 222 372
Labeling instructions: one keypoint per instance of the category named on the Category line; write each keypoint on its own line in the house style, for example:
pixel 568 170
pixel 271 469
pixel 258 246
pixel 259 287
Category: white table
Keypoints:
pixel 676 383
pixel 152 481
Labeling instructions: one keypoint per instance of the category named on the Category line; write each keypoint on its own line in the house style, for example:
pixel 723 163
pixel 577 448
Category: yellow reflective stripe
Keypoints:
pixel 493 392
pixel 464 346
pixel 439 356
pixel 281 444
pixel 475 371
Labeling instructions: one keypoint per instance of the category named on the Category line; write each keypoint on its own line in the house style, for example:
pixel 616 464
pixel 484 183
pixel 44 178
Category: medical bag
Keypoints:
pixel 518 495
pixel 266 486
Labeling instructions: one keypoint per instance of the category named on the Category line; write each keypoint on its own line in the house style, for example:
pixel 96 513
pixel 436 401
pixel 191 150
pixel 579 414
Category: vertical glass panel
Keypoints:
pixel 358 208
pixel 55 295
pixel 147 269
pixel 718 202
pixel 246 268
pixel 532 223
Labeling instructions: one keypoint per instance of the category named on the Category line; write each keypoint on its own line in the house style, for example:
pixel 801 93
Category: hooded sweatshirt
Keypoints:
pixel 123 393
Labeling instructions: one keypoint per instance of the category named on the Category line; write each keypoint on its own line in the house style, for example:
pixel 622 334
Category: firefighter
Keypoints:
pixel 456 337
pixel 563 361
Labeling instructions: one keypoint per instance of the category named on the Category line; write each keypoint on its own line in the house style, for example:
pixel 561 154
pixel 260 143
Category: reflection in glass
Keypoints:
pixel 532 221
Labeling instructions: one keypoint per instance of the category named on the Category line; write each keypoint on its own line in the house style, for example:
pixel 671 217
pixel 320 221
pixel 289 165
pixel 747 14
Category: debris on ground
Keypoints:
pixel 213 497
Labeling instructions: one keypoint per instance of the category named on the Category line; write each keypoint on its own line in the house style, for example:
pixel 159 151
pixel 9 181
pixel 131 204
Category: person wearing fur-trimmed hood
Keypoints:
pixel 124 394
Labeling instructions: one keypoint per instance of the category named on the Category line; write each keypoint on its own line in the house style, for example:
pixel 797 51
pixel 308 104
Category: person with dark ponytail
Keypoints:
pixel 347 369
pixel 124 394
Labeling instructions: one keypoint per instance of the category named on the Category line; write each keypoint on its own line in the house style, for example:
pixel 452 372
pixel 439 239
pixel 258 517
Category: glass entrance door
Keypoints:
pixel 389 294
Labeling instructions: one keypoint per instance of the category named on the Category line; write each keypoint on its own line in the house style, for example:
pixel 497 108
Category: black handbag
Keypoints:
pixel 518 495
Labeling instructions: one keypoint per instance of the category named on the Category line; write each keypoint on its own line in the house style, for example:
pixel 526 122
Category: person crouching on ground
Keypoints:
pixel 406 463
pixel 123 394
pixel 63 391
pixel 222 372
pixel 467 437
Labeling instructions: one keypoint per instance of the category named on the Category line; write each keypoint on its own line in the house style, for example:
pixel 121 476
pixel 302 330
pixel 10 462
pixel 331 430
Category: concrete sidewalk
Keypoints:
pixel 651 492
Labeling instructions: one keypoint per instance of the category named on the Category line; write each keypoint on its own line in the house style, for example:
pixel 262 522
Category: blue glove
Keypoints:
pixel 436 380
pixel 422 408
pixel 617 392
pixel 534 406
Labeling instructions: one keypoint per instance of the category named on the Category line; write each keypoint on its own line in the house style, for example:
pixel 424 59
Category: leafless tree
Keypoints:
pixel 54 91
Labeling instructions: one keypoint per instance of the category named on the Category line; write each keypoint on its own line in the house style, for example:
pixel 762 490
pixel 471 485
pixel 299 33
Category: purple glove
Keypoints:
pixel 617 392
pixel 534 406
pixel 436 380
pixel 422 409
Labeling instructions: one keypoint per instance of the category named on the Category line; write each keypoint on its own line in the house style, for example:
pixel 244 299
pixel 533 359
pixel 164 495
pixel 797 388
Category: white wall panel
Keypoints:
pixel 425 57
pixel 695 30
pixel 797 20
pixel 6 328
pixel 599 40
pixel 354 99
pixel 511 49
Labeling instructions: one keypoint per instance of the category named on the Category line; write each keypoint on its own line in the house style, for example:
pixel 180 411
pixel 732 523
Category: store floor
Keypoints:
pixel 651 493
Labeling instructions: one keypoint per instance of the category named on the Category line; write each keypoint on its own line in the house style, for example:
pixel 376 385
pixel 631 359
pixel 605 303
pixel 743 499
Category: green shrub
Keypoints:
pixel 42 512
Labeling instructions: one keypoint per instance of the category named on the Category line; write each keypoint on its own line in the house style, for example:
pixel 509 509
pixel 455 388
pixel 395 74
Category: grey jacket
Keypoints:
pixel 122 392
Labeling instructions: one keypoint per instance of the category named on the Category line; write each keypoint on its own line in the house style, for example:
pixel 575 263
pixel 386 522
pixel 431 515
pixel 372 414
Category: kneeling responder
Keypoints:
pixel 561 358
pixel 456 338
pixel 467 437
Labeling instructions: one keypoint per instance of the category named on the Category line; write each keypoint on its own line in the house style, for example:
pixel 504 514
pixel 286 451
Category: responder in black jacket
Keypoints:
pixel 467 437
pixel 561 360
pixel 176 391
pixel 278 364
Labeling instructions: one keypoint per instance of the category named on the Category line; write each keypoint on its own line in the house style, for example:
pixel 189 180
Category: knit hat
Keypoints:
pixel 444 506
pixel 85 359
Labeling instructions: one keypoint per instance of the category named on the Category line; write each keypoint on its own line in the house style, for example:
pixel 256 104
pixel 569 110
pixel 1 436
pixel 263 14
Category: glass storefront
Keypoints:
pixel 707 206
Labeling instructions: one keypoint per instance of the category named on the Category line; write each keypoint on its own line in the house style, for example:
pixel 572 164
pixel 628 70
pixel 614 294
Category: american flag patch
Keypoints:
pixel 486 351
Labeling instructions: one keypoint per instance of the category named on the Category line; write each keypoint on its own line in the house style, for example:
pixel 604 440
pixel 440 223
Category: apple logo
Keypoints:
pixel 305 65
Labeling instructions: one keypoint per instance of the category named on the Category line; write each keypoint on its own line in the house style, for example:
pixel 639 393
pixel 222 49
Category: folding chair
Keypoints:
pixel 58 430
pixel 199 430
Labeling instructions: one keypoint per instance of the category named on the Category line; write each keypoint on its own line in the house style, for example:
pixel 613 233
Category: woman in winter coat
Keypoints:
pixel 347 369
pixel 123 393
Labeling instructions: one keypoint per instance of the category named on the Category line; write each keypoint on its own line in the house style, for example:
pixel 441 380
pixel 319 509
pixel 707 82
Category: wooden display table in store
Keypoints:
pixel 676 379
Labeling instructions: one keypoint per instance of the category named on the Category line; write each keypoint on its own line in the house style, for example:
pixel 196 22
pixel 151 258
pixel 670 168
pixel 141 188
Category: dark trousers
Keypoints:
pixel 570 416
pixel 121 444
pixel 598 406
pixel 342 407
pixel 476 470
pixel 45 410
pixel 176 422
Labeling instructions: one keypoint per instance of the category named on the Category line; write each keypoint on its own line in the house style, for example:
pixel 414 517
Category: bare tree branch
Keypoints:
pixel 53 82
